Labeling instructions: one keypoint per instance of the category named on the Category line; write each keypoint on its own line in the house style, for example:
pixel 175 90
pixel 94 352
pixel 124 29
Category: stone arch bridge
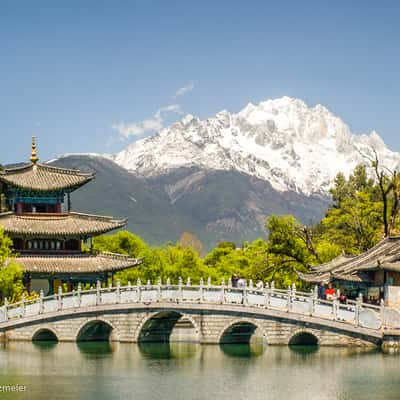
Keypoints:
pixel 205 313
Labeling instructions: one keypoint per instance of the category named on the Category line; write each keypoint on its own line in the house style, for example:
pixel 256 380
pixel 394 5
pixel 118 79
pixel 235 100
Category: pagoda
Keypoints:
pixel 49 239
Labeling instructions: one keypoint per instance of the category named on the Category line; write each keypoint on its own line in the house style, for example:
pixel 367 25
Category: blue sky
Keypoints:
pixel 77 74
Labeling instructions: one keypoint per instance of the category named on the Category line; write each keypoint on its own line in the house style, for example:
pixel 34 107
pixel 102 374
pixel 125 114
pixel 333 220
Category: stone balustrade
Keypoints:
pixel 291 301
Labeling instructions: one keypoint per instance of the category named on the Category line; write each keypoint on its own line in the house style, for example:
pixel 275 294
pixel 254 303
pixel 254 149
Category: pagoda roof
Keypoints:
pixel 384 256
pixel 76 264
pixel 44 178
pixel 53 225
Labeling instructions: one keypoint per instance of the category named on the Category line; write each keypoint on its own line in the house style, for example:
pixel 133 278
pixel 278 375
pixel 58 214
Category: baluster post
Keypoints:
pixel 79 294
pixel 159 284
pixel 23 301
pixel 201 288
pixel 222 290
pixel 59 298
pixel 98 292
pixel 207 289
pixel 358 310
pixel 289 299
pixel 180 291
pixel 311 303
pixel 188 282
pixel 41 295
pixel 335 307
pixel 139 289
pixel 245 294
pixel 266 295
pixel 382 312
pixel 5 309
pixel 118 292
pixel 293 295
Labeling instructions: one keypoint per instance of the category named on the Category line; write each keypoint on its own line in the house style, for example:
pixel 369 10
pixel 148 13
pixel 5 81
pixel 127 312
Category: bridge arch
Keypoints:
pixel 159 326
pixel 97 330
pixel 304 337
pixel 45 334
pixel 240 331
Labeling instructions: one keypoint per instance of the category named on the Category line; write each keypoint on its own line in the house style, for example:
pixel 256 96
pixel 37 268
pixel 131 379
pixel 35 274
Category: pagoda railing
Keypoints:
pixel 249 298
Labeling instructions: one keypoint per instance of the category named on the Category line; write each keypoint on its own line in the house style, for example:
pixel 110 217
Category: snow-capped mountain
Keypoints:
pixel 283 141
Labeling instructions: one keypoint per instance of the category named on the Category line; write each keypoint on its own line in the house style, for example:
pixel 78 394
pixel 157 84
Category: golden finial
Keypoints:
pixel 34 157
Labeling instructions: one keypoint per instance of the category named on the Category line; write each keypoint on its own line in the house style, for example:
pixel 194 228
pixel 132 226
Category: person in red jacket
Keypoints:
pixel 330 292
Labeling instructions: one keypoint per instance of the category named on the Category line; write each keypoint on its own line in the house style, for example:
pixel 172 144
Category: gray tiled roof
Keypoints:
pixel 80 263
pixel 53 225
pixel 41 177
pixel 384 256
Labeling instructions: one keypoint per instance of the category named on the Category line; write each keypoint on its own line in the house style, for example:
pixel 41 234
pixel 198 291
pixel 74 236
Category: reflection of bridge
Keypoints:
pixel 206 313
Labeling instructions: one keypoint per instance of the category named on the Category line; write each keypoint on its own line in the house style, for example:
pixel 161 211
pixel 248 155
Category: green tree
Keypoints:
pixel 122 242
pixel 288 251
pixel 354 221
pixel 11 274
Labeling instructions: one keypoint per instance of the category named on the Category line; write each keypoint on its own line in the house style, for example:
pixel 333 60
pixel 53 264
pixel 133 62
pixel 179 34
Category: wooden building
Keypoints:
pixel 35 211
pixel 375 273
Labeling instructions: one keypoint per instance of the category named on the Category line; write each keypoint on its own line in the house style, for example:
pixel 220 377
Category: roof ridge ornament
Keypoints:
pixel 34 157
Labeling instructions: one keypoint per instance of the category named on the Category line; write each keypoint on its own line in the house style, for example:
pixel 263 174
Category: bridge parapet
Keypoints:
pixel 291 301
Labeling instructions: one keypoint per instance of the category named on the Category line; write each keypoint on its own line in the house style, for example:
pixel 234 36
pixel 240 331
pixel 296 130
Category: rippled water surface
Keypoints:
pixel 96 371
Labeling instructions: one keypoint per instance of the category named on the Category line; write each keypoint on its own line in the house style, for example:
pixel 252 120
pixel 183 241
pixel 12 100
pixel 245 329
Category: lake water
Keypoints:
pixel 97 371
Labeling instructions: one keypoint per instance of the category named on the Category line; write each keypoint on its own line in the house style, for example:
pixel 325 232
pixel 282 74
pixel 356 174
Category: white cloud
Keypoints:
pixel 172 107
pixel 184 89
pixel 150 125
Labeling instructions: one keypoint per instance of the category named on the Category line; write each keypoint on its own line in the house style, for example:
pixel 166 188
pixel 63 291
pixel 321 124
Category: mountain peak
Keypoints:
pixel 283 141
pixel 187 119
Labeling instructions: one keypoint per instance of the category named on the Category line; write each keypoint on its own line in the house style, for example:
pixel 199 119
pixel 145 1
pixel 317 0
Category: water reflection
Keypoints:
pixel 303 350
pixel 45 345
pixel 102 371
pixel 168 350
pixel 244 350
pixel 98 349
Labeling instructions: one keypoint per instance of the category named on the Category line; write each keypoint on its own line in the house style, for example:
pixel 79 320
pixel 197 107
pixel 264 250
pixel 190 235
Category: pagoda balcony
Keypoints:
pixel 49 252
pixel 43 214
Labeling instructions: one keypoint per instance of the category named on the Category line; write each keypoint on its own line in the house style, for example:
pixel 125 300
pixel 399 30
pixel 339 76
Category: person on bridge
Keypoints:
pixel 321 291
pixel 234 279
pixel 330 292
pixel 241 284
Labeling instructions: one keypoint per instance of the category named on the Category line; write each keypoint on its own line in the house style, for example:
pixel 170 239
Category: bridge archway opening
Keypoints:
pixel 241 333
pixel 168 326
pixel 303 339
pixel 95 331
pixel 44 335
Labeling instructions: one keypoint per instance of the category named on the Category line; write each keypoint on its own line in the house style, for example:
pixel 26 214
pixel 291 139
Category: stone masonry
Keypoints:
pixel 209 324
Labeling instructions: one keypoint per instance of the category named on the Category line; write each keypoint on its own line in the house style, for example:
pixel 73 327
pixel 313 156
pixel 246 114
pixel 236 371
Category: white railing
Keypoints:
pixel 266 297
